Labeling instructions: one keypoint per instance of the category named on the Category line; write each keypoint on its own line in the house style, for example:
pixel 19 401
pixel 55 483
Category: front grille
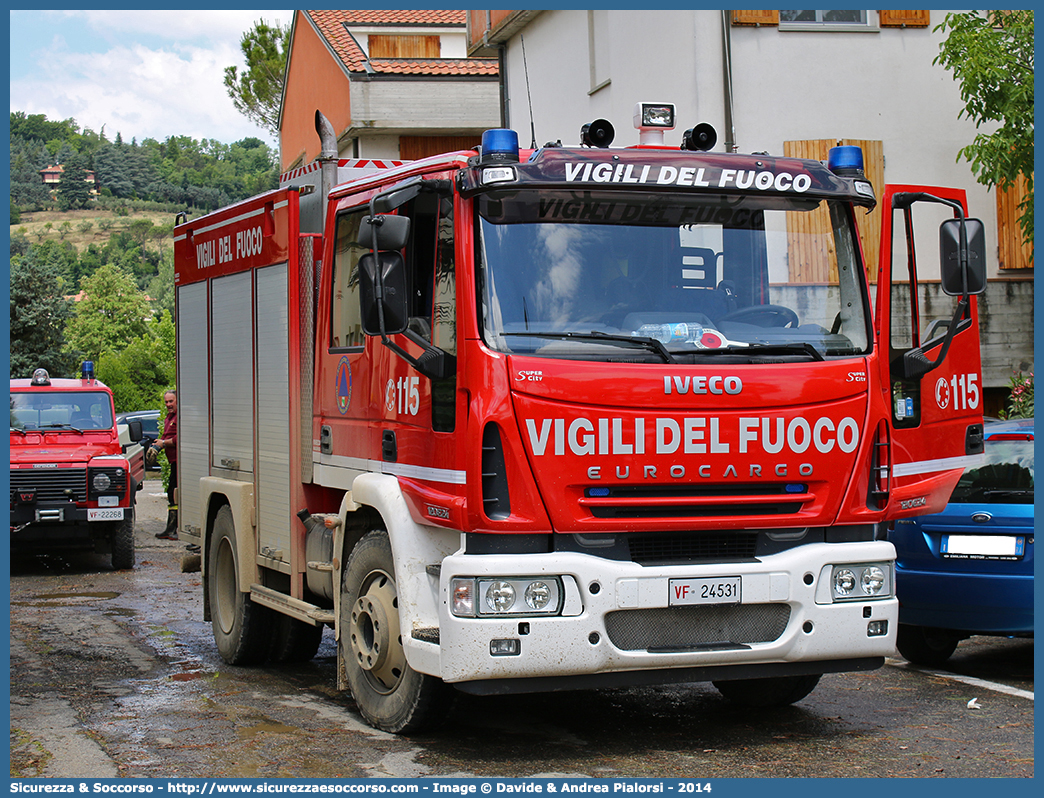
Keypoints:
pixel 50 484
pixel 668 629
pixel 711 501
pixel 648 549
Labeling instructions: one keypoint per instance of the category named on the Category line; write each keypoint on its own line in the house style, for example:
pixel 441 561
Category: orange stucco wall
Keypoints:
pixel 315 82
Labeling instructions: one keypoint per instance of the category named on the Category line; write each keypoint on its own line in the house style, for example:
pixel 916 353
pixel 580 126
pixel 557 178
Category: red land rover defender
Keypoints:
pixel 72 485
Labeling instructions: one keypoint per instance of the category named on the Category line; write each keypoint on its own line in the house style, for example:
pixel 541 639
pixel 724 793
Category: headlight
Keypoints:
pixel 500 596
pixel 844 582
pixel 861 582
pixel 538 596
pixel 106 480
pixel 505 596
pixel 873 581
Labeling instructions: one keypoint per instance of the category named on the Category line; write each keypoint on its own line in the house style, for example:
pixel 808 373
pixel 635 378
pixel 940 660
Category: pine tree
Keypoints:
pixel 38 316
pixel 74 190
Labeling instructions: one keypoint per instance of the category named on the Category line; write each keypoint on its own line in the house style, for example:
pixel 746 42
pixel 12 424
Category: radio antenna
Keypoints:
pixel 525 67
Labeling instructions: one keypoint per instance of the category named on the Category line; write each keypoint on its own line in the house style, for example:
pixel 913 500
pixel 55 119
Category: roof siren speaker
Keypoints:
pixel 599 133
pixel 701 137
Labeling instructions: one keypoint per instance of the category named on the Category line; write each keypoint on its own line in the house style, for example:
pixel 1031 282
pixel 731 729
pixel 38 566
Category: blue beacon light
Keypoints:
pixel 846 160
pixel 499 145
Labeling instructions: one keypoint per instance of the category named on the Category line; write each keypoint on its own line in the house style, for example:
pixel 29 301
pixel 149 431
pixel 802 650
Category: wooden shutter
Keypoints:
pixel 404 46
pixel 413 147
pixel 757 18
pixel 903 19
pixel 1012 251
pixel 820 265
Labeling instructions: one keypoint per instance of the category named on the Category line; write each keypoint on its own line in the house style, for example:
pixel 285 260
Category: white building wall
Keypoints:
pixel 787 85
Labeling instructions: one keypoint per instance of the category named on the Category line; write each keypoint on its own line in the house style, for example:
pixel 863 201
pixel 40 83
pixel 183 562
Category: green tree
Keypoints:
pixel 38 315
pixel 140 372
pixel 28 191
pixel 257 91
pixel 112 313
pixel 74 190
pixel 991 55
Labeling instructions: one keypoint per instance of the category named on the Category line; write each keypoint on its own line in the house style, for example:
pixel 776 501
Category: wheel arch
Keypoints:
pixel 415 547
pixel 216 493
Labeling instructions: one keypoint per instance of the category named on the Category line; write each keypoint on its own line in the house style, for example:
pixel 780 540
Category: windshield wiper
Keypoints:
pixel 795 348
pixel 62 426
pixel 650 344
pixel 20 431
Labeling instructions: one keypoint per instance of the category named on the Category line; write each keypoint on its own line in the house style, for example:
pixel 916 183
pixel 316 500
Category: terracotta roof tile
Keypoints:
pixel 331 25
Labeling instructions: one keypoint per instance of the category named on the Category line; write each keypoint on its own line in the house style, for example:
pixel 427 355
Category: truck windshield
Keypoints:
pixel 75 411
pixel 703 275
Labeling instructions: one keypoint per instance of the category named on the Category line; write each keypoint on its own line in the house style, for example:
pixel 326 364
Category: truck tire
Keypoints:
pixel 294 640
pixel 241 627
pixel 390 695
pixel 123 542
pixel 774 691
pixel 923 645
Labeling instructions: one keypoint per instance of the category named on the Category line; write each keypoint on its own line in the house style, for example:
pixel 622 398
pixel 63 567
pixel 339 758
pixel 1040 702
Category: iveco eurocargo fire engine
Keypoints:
pixel 523 420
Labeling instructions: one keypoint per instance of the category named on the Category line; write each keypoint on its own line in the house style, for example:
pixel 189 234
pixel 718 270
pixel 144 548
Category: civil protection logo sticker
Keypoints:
pixel 344 385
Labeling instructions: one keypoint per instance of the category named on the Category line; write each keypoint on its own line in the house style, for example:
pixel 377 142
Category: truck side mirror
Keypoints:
pixel 393 302
pixel 957 277
pixel 392 231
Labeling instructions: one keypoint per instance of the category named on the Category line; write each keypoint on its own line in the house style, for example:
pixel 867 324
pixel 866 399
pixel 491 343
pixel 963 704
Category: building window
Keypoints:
pixel 843 17
pixel 815 20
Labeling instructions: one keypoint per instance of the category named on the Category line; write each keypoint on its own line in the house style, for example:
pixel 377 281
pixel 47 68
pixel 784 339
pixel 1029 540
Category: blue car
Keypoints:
pixel 969 569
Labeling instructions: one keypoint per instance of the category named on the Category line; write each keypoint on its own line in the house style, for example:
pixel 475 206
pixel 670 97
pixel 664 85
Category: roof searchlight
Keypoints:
pixel 652 120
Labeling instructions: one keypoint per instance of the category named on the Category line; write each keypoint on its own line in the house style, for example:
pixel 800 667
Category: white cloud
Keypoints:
pixel 162 75
pixel 185 25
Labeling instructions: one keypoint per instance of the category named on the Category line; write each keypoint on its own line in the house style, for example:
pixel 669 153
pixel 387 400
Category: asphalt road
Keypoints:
pixel 115 674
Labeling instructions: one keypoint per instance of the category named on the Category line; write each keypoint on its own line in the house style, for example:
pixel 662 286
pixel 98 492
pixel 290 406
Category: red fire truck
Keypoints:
pixel 72 484
pixel 519 420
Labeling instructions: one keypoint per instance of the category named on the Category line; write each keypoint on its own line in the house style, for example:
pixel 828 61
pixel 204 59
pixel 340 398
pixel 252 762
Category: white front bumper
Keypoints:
pixel 580 643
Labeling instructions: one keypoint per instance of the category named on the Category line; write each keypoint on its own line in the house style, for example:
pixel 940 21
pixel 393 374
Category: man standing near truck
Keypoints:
pixel 169 444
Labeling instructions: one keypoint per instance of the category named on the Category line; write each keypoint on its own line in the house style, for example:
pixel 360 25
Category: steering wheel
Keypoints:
pixel 771 316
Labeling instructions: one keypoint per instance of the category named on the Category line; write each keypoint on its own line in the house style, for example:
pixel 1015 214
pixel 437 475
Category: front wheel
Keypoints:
pixel 123 542
pixel 775 691
pixel 241 627
pixel 389 693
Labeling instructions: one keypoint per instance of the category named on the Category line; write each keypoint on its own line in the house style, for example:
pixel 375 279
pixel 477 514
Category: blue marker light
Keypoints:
pixel 796 487
pixel 593 492
pixel 499 145
pixel 846 161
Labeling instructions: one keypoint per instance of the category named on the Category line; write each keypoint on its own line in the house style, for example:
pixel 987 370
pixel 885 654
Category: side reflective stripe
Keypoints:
pixel 443 475
pixel 943 464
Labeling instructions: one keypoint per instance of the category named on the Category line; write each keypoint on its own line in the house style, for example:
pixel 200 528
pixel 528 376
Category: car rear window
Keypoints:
pixel 1006 478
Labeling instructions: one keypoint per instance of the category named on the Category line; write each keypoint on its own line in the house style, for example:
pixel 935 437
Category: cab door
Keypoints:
pixel 931 369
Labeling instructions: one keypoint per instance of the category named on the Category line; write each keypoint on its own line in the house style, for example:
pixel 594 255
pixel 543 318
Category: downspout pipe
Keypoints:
pixel 726 58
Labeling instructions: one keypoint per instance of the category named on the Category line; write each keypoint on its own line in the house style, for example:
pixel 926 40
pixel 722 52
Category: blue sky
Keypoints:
pixel 143 74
